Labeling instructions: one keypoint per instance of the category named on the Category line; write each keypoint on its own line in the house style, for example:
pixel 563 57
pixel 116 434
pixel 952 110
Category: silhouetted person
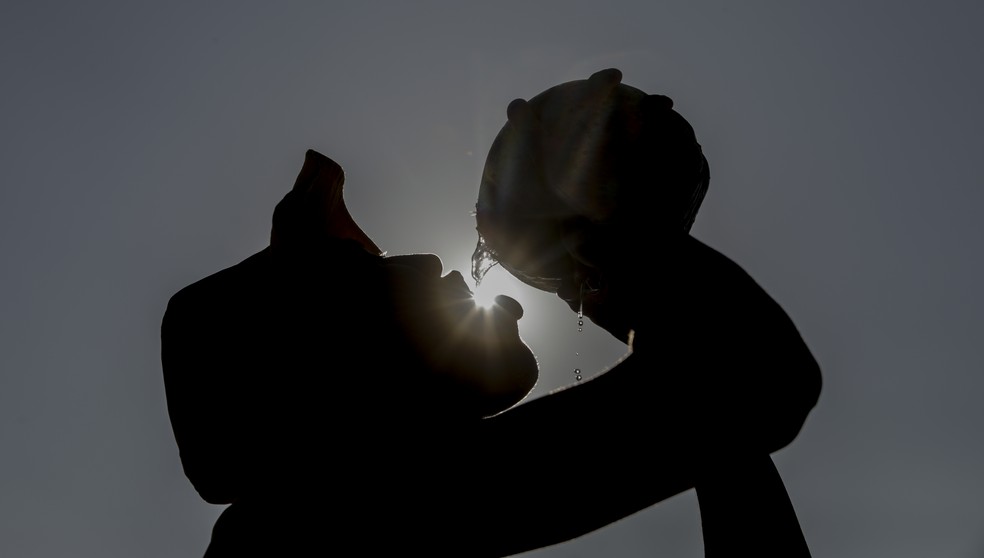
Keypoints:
pixel 300 381
pixel 589 191
pixel 343 401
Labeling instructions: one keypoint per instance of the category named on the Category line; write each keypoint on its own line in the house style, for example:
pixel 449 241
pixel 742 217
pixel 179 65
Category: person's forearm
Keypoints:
pixel 745 509
pixel 569 463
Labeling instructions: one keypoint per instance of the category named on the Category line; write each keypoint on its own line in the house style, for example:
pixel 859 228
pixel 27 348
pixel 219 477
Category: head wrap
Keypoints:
pixel 591 152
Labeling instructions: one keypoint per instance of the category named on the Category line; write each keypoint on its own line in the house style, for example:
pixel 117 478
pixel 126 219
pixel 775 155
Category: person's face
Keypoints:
pixel 479 346
pixel 595 285
pixel 423 271
pixel 589 291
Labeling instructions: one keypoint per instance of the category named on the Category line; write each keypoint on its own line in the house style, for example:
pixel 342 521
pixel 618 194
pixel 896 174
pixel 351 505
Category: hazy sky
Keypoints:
pixel 144 145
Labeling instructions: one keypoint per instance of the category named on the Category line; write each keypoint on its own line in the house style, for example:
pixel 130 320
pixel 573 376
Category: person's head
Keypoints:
pixel 473 356
pixel 584 180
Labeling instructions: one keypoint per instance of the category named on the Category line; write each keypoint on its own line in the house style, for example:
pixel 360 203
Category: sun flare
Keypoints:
pixel 496 282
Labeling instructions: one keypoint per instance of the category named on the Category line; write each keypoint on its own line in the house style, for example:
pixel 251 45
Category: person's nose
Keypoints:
pixel 456 282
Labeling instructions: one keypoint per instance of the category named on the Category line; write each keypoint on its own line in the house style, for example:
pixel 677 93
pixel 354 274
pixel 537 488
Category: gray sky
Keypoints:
pixel 144 145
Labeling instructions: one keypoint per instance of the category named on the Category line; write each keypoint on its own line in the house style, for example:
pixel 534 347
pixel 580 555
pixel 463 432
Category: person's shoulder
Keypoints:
pixel 720 280
pixel 221 284
pixel 709 262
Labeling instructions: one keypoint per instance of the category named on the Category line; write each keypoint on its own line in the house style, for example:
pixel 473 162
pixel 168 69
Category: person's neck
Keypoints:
pixel 652 293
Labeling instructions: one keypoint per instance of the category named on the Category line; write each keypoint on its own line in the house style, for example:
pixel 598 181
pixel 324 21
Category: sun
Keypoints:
pixel 496 282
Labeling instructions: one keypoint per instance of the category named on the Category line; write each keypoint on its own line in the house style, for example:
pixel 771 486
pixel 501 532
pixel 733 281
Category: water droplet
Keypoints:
pixel 580 328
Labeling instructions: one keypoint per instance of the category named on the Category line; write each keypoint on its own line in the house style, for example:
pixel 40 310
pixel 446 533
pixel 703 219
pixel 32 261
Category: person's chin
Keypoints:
pixel 618 328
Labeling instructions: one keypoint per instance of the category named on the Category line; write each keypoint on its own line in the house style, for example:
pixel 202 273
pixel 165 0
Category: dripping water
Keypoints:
pixel 580 329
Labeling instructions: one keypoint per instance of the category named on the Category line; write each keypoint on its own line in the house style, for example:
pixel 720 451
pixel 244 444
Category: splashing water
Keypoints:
pixel 482 261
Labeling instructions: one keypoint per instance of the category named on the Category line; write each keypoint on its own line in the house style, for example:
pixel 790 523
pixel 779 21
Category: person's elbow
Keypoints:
pixel 795 401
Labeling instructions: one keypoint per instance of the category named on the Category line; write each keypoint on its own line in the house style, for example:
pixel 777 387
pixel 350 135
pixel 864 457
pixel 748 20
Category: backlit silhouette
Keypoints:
pixel 343 401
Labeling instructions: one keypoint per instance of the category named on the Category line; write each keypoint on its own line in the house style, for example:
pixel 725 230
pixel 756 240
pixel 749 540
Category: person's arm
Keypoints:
pixel 245 374
pixel 568 463
pixel 200 401
pixel 745 509
pixel 226 382
pixel 775 382
pixel 655 425
pixel 233 437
